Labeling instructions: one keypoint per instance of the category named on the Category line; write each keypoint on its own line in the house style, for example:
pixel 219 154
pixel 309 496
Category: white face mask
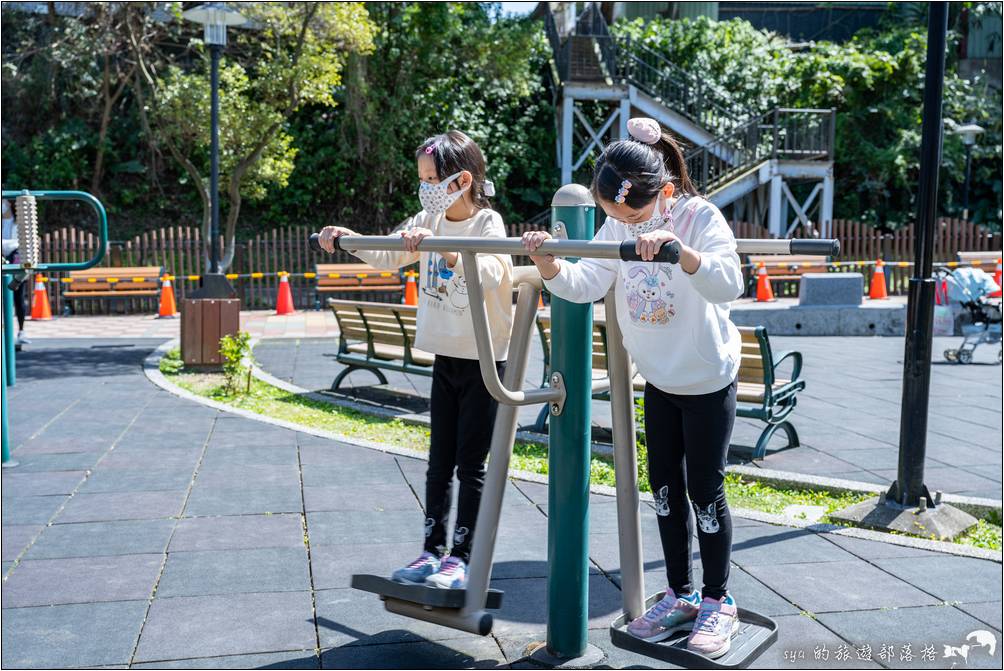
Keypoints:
pixel 435 198
pixel 656 221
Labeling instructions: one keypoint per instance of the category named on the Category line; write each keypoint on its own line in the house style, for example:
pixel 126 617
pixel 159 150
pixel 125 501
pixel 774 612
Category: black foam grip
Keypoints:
pixel 668 253
pixel 816 247
pixel 315 244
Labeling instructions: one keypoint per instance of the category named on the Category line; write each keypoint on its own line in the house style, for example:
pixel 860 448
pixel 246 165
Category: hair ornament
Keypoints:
pixel 644 129
pixel 489 188
pixel 623 191
pixel 431 148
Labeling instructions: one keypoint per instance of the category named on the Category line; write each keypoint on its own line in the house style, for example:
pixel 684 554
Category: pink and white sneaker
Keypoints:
pixel 717 622
pixel 666 617
pixel 452 574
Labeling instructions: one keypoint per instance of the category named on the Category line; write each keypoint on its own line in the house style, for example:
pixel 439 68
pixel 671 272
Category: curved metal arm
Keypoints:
pixel 486 353
pixel 68 195
pixel 796 366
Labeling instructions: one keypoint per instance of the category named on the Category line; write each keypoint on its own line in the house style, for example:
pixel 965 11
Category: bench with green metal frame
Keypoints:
pixel 762 393
pixel 377 337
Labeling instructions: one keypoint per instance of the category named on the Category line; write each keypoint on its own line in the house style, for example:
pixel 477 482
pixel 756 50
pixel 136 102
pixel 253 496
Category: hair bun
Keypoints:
pixel 644 129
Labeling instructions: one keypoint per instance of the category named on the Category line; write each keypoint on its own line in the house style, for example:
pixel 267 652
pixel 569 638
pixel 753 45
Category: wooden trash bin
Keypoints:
pixel 203 322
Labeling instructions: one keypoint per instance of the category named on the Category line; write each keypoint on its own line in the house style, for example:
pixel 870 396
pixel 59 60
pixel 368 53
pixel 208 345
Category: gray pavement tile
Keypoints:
pixel 235 571
pixel 123 480
pixel 132 458
pixel 524 606
pixel 16 538
pixel 231 624
pixel 251 455
pixel 232 533
pixel 872 458
pixel 115 506
pixel 800 639
pixel 364 527
pixel 869 549
pixel 950 480
pixel 988 612
pixel 30 509
pixel 46 582
pixel 40 484
pixel 382 472
pixel 474 652
pixel 839 586
pixel 90 634
pixel 398 496
pixel 936 626
pixel 333 565
pixel 211 499
pixel 229 475
pixel 98 539
pixel 770 545
pixel 947 577
pixel 805 459
pixel 534 491
pixel 350 617
pixel 317 451
pixel 296 659
pixel 59 461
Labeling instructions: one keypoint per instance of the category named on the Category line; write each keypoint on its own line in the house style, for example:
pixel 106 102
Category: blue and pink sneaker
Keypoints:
pixel 666 617
pixel 452 574
pixel 717 622
pixel 417 571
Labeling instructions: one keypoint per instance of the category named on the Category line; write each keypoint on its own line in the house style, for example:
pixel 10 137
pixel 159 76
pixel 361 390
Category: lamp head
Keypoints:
pixel 215 17
pixel 969 133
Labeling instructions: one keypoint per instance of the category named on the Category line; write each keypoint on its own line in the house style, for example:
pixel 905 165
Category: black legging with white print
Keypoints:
pixel 688 443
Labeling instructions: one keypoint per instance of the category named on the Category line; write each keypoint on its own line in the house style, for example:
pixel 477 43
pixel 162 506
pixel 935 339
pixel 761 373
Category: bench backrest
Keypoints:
pixel 755 350
pixel 375 323
pixel 352 275
pixel 116 279
pixel 790 265
pixel 987 260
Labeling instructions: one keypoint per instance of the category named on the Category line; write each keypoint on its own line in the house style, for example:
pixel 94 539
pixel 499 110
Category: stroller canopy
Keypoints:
pixel 970 284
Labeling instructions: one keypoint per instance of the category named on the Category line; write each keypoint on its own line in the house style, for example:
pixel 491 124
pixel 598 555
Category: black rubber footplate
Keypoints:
pixel 421 594
pixel 756 634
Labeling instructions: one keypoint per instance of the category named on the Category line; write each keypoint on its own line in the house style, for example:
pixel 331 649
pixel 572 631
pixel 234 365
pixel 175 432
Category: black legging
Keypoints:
pixel 19 305
pixel 688 443
pixel 463 415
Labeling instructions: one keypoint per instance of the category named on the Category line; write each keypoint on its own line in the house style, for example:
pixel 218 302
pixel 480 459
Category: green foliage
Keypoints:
pixel 875 82
pixel 171 363
pixel 986 535
pixel 237 360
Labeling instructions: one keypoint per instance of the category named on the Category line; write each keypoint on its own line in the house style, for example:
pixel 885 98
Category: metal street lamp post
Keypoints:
pixel 215 17
pixel 969 132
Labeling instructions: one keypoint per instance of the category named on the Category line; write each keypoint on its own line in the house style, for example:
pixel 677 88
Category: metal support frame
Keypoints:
pixel 576 126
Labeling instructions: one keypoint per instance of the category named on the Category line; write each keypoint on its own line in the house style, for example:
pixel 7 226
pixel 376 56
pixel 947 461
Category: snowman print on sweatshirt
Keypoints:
pixel 649 299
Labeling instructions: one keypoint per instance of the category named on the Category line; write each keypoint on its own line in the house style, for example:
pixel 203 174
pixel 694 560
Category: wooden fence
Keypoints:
pixel 178 250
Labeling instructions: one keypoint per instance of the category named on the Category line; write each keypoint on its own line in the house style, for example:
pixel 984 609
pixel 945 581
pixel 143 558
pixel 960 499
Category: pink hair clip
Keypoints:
pixel 644 129
pixel 431 148
pixel 622 192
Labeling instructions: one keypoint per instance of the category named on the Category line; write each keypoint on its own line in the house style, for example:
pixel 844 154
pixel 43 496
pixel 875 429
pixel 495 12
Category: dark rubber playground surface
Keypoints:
pixel 154 532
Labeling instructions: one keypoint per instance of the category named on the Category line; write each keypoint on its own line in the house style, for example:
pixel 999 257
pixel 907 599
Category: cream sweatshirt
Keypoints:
pixel 676 326
pixel 444 325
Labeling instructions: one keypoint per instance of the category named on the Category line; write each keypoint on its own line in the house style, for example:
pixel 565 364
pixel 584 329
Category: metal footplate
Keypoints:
pixel 431 597
pixel 756 634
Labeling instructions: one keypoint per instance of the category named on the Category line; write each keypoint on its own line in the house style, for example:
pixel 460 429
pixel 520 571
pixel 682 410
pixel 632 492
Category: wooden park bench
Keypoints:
pixel 112 284
pixel 788 273
pixel 354 279
pixel 376 337
pixel 763 392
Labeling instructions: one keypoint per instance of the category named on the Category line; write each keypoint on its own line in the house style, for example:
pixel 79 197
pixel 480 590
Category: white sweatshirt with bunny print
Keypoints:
pixel 444 325
pixel 676 326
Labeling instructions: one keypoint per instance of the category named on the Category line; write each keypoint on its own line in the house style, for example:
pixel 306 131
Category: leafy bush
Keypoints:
pixel 237 358
pixel 171 363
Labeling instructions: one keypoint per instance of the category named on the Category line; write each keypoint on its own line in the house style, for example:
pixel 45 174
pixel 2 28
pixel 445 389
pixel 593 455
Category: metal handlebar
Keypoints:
pixel 594 249
pixel 98 208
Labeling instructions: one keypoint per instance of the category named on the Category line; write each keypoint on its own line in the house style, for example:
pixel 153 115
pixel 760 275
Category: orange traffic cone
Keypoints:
pixel 284 302
pixel 540 301
pixel 997 280
pixel 40 310
pixel 168 308
pixel 410 289
pixel 764 293
pixel 877 289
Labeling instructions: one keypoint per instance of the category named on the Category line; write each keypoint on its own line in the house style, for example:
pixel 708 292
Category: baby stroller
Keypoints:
pixel 971 288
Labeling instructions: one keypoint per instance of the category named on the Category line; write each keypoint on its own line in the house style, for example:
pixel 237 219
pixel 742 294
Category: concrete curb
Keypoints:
pixel 152 371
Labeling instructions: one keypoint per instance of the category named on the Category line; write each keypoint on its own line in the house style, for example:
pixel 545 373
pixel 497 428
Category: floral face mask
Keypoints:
pixel 656 221
pixel 435 198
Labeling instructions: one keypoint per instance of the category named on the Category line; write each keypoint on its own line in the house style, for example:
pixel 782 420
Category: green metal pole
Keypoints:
pixel 6 433
pixel 10 371
pixel 572 215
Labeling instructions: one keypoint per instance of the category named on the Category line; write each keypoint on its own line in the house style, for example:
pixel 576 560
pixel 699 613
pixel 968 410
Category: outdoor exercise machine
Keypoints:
pixel 569 397
pixel 26 215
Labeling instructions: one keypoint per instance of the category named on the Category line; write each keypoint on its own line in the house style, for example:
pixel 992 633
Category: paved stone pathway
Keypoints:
pixel 153 532
pixel 847 417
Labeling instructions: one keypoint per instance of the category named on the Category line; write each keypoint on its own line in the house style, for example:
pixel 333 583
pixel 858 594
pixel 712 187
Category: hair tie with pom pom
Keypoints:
pixel 644 130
